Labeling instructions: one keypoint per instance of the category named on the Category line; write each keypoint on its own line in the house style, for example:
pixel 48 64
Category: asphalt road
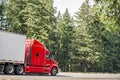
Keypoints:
pixel 63 76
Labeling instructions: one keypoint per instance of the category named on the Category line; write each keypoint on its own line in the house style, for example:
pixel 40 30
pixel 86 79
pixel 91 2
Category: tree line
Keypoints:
pixel 87 42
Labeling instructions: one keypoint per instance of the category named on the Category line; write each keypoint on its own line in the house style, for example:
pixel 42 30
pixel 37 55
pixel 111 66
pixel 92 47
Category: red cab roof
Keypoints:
pixel 36 42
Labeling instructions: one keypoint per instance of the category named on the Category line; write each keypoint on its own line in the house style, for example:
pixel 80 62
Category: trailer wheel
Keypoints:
pixel 19 70
pixel 54 71
pixel 9 69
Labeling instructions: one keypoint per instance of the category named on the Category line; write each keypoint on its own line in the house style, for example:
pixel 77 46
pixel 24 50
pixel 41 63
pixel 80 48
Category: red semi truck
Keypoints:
pixel 18 55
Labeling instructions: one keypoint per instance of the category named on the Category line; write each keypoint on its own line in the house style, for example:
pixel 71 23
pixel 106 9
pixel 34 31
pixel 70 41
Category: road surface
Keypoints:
pixel 63 76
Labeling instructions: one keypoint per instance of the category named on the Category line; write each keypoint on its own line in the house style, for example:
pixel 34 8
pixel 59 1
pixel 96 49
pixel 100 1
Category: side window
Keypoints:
pixel 48 56
pixel 37 54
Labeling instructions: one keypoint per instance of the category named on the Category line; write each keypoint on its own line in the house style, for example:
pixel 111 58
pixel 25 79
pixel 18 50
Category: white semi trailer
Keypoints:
pixel 12 49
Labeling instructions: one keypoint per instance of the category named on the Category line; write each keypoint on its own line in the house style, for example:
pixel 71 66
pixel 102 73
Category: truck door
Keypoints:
pixel 47 60
pixel 37 58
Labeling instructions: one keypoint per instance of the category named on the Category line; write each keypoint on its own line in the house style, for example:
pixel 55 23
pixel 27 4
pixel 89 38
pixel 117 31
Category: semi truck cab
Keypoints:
pixel 38 58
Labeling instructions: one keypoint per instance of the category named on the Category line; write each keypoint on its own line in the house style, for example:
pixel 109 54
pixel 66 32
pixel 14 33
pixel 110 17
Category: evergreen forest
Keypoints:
pixel 89 41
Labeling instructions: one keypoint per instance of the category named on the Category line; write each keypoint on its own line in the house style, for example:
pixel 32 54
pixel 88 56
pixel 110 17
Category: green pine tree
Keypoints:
pixel 63 38
pixel 31 17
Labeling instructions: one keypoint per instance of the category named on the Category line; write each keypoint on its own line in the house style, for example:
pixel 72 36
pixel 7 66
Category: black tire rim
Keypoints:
pixel 9 69
pixel 54 71
pixel 19 69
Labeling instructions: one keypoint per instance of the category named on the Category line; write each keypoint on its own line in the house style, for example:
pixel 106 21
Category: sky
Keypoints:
pixel 72 5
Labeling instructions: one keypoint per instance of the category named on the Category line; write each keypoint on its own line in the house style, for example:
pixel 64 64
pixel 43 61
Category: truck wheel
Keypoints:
pixel 9 69
pixel 19 70
pixel 54 71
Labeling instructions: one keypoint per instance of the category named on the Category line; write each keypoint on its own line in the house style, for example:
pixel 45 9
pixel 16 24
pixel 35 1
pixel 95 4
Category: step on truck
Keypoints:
pixel 19 55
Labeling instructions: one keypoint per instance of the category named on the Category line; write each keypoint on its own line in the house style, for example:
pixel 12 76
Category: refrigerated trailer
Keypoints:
pixel 19 55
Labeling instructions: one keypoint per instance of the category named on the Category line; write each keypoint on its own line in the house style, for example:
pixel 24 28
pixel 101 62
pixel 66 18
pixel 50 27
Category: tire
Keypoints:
pixel 9 69
pixel 19 70
pixel 54 71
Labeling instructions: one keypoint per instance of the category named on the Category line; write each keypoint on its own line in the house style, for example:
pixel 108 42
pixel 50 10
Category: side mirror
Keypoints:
pixel 52 56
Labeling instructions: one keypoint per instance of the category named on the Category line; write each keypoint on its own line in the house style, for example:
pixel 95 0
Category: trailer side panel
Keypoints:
pixel 12 47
